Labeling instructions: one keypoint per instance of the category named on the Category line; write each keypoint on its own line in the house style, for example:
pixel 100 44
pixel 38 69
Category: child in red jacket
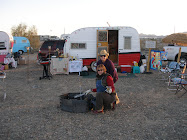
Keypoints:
pixel 105 89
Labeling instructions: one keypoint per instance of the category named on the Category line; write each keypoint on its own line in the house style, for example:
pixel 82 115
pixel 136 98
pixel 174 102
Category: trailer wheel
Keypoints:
pixel 182 62
pixel 20 52
pixel 94 66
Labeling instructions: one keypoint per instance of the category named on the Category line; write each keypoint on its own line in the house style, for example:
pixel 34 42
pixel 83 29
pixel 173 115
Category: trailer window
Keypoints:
pixel 74 45
pixel 78 45
pixel 127 43
pixel 102 36
pixel 24 41
pixel 2 46
pixel 82 46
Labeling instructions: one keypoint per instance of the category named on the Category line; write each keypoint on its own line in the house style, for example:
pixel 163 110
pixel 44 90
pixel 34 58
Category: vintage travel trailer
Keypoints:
pixel 20 44
pixel 6 44
pixel 122 44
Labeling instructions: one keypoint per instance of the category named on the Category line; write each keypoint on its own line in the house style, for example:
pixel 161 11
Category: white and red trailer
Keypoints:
pixel 6 44
pixel 122 44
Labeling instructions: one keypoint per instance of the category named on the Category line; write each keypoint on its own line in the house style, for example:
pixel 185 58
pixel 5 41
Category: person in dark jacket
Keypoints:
pixel 105 89
pixel 108 64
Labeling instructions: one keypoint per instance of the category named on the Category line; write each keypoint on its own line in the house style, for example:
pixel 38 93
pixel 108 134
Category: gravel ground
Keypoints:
pixel 31 110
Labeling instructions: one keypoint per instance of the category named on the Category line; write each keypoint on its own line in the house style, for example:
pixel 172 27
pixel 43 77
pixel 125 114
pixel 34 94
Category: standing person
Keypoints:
pixel 105 89
pixel 108 64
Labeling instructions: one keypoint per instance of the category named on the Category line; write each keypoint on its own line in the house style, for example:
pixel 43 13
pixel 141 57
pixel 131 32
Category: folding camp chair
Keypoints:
pixel 164 73
pixel 179 81
pixel 173 72
pixel 169 71
pixel 180 84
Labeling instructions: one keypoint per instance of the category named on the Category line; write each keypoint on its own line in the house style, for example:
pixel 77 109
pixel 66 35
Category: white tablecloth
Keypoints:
pixel 59 66
pixel 75 66
pixel 10 61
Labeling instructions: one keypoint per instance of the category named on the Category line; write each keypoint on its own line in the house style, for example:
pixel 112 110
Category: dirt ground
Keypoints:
pixel 31 109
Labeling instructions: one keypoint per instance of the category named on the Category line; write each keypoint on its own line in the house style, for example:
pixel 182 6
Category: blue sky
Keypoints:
pixel 51 17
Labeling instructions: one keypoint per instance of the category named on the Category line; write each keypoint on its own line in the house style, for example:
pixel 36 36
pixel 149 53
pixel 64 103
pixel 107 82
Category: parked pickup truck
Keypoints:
pixel 173 51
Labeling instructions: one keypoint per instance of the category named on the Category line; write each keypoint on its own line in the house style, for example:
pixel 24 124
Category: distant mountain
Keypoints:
pixel 141 35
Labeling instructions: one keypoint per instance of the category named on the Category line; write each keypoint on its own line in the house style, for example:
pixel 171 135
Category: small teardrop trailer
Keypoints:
pixel 20 44
pixel 122 44
pixel 6 44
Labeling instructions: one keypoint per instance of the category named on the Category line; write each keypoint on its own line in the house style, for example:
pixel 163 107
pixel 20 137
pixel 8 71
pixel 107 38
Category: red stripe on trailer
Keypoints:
pixel 124 59
pixel 87 62
pixel 127 59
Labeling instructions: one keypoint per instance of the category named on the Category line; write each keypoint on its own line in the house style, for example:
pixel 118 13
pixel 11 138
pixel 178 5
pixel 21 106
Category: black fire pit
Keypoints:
pixel 69 103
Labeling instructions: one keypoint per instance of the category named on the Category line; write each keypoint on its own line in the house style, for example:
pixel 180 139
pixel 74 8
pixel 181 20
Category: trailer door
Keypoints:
pixel 102 41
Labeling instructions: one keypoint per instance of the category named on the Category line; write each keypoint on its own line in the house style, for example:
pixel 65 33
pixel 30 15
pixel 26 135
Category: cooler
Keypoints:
pixel 126 68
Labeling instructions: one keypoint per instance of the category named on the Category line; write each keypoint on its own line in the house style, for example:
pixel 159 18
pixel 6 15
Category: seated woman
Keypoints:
pixel 105 96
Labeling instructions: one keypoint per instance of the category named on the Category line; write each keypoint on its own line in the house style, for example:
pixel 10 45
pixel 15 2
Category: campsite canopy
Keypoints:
pixel 178 38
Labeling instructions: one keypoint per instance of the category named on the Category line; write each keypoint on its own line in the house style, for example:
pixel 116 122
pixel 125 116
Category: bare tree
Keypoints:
pixel 33 37
pixel 31 33
pixel 20 30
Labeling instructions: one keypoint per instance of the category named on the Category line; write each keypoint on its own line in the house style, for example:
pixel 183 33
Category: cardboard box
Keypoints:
pixel 6 67
pixel 126 68
pixel 22 61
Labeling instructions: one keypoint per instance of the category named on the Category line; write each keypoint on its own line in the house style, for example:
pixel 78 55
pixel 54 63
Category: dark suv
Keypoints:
pixel 44 49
